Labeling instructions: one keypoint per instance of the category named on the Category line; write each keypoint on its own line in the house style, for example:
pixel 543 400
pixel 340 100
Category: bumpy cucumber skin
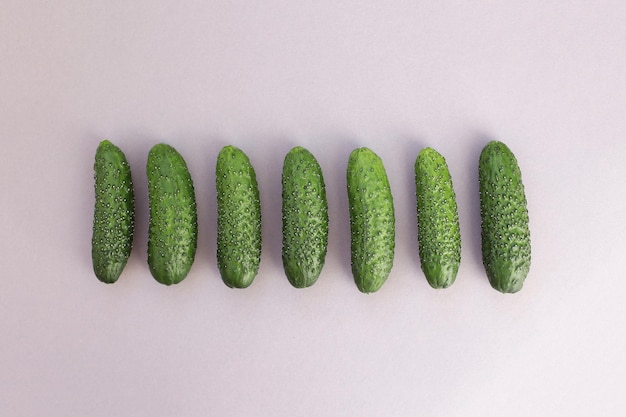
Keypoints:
pixel 238 218
pixel 173 226
pixel 439 234
pixel 505 230
pixel 372 220
pixel 114 213
pixel 305 218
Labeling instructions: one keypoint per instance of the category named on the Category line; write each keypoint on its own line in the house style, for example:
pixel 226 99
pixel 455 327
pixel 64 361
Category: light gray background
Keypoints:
pixel 546 77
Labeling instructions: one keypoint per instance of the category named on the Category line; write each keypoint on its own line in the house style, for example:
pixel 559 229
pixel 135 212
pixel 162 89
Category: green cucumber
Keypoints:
pixel 439 234
pixel 173 226
pixel 114 213
pixel 238 218
pixel 305 218
pixel 505 231
pixel 372 220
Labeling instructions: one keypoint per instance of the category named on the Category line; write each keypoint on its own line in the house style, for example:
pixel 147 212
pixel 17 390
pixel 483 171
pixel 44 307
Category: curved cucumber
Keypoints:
pixel 114 213
pixel 305 218
pixel 173 227
pixel 238 218
pixel 437 218
pixel 372 220
pixel 505 232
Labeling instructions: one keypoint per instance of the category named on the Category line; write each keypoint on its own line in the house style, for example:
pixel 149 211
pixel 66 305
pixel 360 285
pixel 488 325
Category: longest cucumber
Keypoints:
pixel 238 218
pixel 114 213
pixel 505 230
pixel 305 218
pixel 439 234
pixel 173 226
pixel 372 220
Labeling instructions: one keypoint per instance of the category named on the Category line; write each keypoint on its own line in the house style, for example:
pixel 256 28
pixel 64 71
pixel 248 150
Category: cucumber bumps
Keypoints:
pixel 305 218
pixel 437 218
pixel 372 220
pixel 173 227
pixel 114 213
pixel 238 218
pixel 504 229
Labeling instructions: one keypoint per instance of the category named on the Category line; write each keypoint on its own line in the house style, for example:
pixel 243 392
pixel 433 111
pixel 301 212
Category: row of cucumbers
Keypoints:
pixel 173 225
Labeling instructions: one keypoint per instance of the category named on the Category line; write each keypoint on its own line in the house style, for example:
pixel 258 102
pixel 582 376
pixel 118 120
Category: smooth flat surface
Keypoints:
pixel 547 78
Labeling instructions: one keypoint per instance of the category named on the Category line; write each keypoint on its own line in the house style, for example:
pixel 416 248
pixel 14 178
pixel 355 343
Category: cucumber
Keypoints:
pixel 372 220
pixel 505 231
pixel 114 213
pixel 439 234
pixel 305 218
pixel 173 226
pixel 238 218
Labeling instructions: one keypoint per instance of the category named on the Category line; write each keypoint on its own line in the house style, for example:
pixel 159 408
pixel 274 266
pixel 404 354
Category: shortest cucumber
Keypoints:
pixel 372 220
pixel 505 231
pixel 439 234
pixel 173 226
pixel 305 218
pixel 238 218
pixel 114 213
